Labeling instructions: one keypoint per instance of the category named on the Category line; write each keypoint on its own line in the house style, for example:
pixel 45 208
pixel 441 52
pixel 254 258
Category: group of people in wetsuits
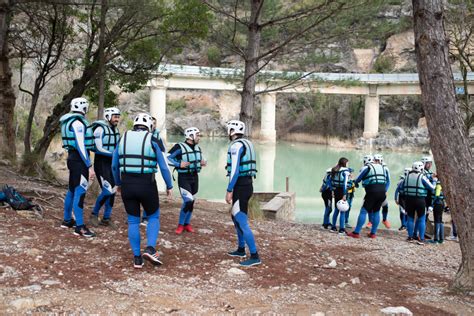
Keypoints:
pixel 128 164
pixel 418 193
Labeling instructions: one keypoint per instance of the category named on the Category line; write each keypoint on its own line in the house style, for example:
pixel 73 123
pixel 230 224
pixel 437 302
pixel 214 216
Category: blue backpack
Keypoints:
pixel 16 200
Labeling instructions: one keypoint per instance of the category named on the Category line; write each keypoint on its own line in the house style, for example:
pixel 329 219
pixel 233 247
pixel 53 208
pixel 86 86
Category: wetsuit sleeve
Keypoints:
pixel 428 185
pixel 397 190
pixel 175 156
pixel 387 178
pixel 98 133
pixel 236 153
pixel 116 167
pixel 79 130
pixel 160 159
pixel 362 174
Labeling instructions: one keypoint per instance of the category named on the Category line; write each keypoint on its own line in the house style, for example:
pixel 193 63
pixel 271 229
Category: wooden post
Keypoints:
pixel 287 184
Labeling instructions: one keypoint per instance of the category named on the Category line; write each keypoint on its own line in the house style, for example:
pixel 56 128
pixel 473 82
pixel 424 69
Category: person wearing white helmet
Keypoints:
pixel 241 169
pixel 374 181
pixel 134 164
pixel 340 181
pixel 77 140
pixel 378 158
pixel 415 188
pixel 187 158
pixel 400 200
pixel 326 194
pixel 106 138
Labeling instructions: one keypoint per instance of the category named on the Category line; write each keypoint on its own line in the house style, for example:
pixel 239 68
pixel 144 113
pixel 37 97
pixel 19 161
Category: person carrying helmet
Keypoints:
pixel 374 181
pixel 415 188
pixel 106 138
pixel 427 164
pixel 188 160
pixel 241 168
pixel 326 194
pixel 400 200
pixel 77 139
pixel 340 175
pixel 378 158
pixel 134 164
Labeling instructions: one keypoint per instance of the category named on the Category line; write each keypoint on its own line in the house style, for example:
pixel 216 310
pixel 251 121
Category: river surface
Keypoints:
pixel 304 164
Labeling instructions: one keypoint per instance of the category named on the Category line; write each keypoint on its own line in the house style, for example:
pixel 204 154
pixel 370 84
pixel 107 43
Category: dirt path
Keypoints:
pixel 44 268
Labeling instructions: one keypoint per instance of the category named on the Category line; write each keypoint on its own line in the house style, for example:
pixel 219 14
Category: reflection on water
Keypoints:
pixel 304 164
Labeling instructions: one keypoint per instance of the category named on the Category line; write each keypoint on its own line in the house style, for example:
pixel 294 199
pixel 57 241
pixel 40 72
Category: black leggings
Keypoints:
pixel 140 189
pixel 327 198
pixel 242 193
pixel 415 205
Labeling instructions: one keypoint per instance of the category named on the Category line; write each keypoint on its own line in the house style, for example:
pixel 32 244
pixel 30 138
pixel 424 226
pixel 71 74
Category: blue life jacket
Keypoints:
pixel 413 185
pixel 338 179
pixel 136 154
pixel 67 134
pixel 376 175
pixel 110 137
pixel 194 156
pixel 248 162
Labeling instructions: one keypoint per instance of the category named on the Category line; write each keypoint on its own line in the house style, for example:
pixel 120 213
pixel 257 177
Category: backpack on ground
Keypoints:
pixel 16 200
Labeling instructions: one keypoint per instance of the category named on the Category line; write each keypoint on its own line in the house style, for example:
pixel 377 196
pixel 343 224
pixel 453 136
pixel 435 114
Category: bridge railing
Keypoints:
pixel 206 72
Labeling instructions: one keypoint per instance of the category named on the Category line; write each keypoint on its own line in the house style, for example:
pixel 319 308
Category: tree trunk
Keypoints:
pixel 7 95
pixel 251 66
pixel 29 122
pixel 100 108
pixel 448 141
pixel 52 127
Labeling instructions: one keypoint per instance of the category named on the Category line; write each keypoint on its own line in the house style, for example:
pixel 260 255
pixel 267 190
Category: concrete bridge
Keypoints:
pixel 372 86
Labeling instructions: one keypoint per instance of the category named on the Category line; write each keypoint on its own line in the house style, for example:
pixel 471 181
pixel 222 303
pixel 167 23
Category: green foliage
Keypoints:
pixel 214 56
pixel 21 117
pixel 31 166
pixel 177 105
pixel 384 64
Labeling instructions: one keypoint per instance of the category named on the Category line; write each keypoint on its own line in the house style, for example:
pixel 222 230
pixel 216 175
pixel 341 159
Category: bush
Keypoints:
pixel 384 64
pixel 176 105
pixel 214 56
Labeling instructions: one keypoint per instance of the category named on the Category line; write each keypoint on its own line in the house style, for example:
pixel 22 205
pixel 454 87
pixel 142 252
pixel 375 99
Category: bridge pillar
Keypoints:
pixel 371 113
pixel 267 128
pixel 158 105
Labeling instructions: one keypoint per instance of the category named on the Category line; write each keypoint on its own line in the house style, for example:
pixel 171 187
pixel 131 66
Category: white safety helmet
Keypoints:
pixel 80 105
pixel 235 127
pixel 191 132
pixel 143 119
pixel 342 206
pixel 108 112
pixel 426 159
pixel 418 166
pixel 368 159
pixel 378 157
pixel 406 171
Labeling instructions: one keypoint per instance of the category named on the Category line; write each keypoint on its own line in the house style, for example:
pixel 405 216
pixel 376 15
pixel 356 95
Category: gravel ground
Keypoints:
pixel 305 270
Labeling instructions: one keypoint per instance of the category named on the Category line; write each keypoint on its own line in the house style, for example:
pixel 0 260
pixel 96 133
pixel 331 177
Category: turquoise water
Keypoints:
pixel 304 164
